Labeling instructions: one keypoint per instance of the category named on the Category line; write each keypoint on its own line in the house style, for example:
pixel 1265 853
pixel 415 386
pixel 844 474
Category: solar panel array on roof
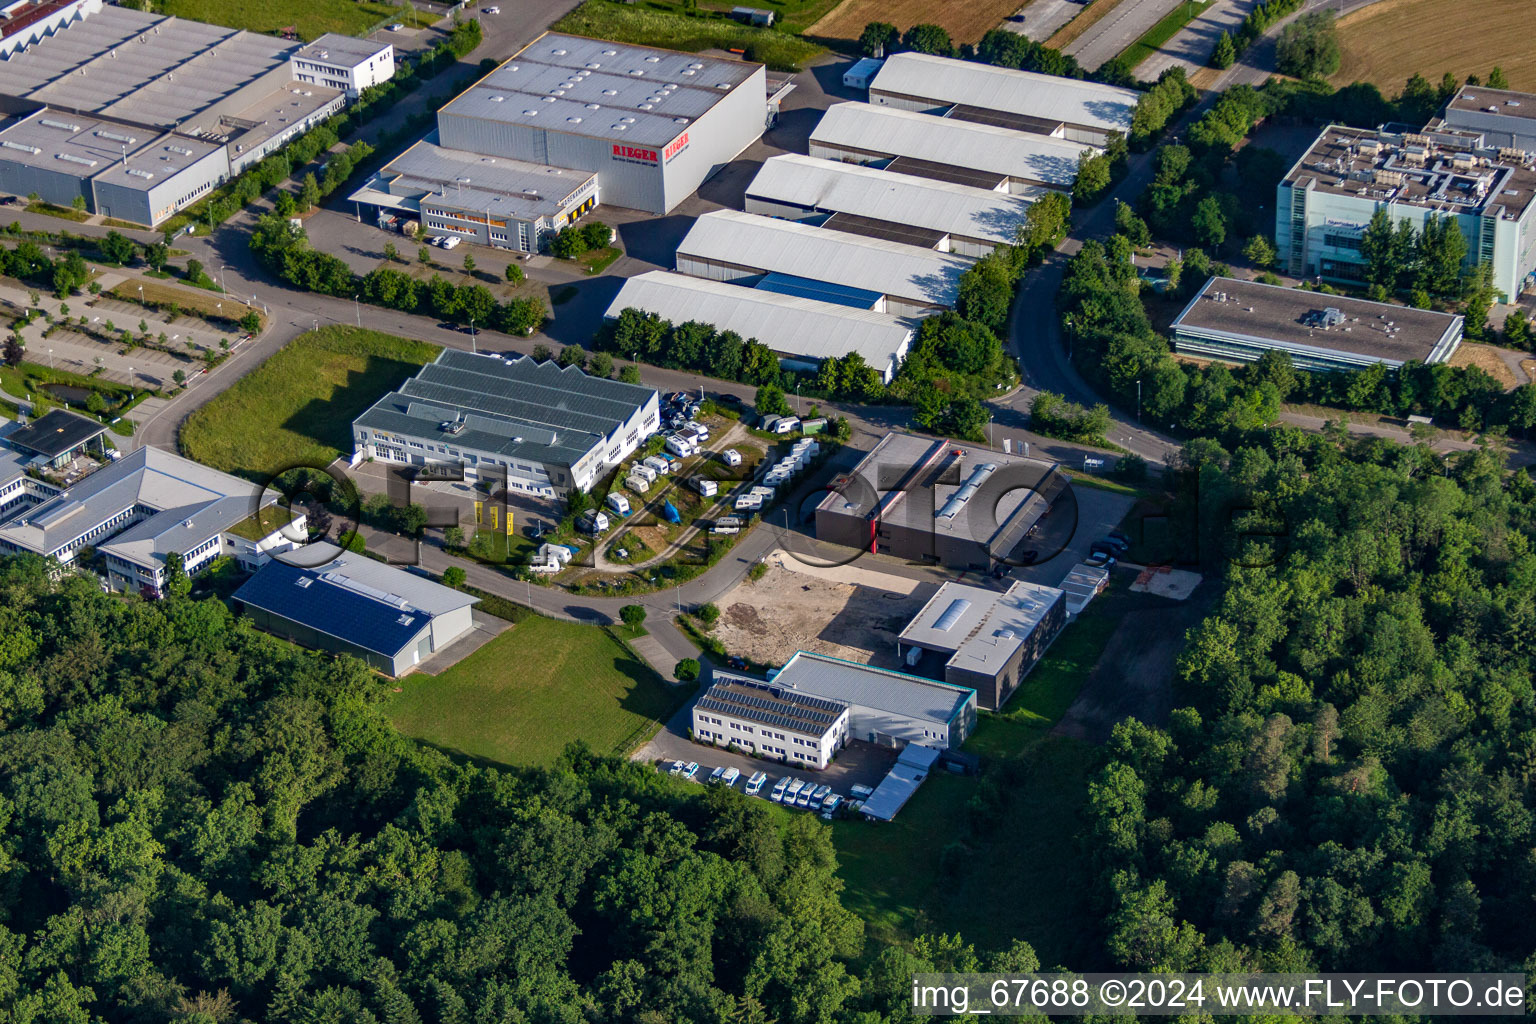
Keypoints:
pixel 823 291
pixel 345 612
pixel 772 705
pixel 936 171
pixel 889 231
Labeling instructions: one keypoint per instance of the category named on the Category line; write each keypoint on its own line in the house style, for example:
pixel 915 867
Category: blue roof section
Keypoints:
pixel 823 291
pixel 306 597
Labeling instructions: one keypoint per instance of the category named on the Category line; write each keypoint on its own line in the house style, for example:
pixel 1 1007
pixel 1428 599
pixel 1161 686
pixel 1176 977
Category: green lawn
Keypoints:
pixel 792 16
pixel 312 18
pixel 297 408
pixel 522 697
pixel 1026 879
pixel 658 26
pixel 1163 31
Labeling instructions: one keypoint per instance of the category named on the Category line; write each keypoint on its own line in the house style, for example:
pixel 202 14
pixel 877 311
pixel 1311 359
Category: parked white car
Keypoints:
pixel 451 241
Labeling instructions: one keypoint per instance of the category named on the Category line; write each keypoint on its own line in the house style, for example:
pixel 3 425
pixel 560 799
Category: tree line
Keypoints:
pixel 285 250
pixel 1349 785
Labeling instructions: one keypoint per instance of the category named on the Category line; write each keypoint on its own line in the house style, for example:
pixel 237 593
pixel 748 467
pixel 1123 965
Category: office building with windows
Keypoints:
pixel 771 720
pixel 540 428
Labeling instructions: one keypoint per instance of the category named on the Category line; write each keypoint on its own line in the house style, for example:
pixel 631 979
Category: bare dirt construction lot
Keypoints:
pixel 1387 42
pixel 1487 359
pixel 1134 676
pixel 966 21
pixel 787 611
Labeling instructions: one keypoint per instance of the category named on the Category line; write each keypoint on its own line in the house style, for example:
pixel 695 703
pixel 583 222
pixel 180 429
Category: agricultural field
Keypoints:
pixel 543 683
pixel 297 408
pixel 312 18
pixel 965 23
pixel 657 25
pixel 792 16
pixel 1387 42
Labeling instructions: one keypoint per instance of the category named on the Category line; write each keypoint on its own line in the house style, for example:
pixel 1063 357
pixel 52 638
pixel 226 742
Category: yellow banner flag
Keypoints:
pixel 477 512
pixel 509 522
pixel 493 518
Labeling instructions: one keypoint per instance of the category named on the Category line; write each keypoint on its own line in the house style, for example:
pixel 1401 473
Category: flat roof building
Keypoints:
pixel 988 639
pixel 939 215
pixel 141 508
pixel 539 428
pixel 1069 108
pixel 913 765
pixel 941 502
pixel 1241 320
pixel 1326 200
pixel 392 619
pixel 726 245
pixel 802 331
pixel 24 22
pixel 1082 584
pixel 495 201
pixel 884 706
pixel 913 143
pixel 58 436
pixel 199 102
pixel 1503 118
pixel 772 721
pixel 651 123
pixel 345 63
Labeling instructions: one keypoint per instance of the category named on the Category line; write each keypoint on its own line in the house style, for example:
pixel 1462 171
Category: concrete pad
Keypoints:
pixel 1164 581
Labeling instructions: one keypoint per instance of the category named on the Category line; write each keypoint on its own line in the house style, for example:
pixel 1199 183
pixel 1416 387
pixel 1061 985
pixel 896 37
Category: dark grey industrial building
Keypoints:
pixel 987 640
pixel 939 501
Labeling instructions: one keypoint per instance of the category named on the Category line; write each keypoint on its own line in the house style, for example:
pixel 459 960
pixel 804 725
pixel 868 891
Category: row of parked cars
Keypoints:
pixel 1107 549
pixel 789 791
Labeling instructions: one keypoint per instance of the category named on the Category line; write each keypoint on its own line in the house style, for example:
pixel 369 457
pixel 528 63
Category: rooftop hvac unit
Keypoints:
pixel 116 136
pixel 137 173
pixel 21 146
pixel 61 125
pixel 71 158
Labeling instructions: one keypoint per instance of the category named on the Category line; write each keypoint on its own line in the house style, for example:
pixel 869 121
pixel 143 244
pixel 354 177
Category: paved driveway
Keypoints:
pixel 1044 18
pixel 1119 29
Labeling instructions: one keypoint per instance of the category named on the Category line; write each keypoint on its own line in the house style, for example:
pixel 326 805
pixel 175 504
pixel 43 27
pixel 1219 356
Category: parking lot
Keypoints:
pixel 859 763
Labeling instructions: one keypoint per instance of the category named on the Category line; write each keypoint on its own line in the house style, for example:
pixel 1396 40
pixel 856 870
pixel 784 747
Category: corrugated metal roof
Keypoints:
pixel 881 689
pixel 1072 100
pixel 457 180
pixel 823 291
pixel 892 132
pixel 857 261
pixel 789 325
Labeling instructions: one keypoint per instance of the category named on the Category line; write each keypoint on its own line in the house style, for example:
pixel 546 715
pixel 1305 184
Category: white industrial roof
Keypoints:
pixel 787 324
pixel 1072 100
pixel 613 91
pixel 892 132
pixel 880 689
pixel 457 180
pixel 831 186
pixel 342 51
pixel 980 627
pixel 856 261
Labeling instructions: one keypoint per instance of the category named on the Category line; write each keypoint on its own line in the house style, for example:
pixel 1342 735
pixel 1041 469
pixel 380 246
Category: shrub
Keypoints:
pixel 687 670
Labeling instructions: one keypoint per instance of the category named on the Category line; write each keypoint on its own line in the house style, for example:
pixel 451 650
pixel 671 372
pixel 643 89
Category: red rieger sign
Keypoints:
pixel 677 146
pixel 634 153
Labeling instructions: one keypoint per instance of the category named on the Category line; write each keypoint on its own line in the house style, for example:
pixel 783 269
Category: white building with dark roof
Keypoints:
pixel 946 148
pixel 903 280
pixel 802 331
pixel 541 429
pixel 940 215
pixel 771 720
pixel 1068 108
pixel 885 706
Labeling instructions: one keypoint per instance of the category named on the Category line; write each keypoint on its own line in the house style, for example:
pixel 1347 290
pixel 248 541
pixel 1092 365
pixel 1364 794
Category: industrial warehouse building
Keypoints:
pixel 771 720
pixel 24 22
pixel 884 706
pixel 905 208
pixel 141 114
pixel 987 640
pixel 495 201
pixel 802 331
pixel 651 124
pixel 966 152
pixel 542 429
pixel 1326 200
pixel 391 619
pixel 939 501
pixel 798 259
pixel 1067 108
pixel 1241 320
pixel 138 510
pixel 1503 118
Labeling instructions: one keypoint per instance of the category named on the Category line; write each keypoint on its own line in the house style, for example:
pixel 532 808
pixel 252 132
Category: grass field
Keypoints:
pixel 297 408
pixel 965 22
pixel 647 26
pixel 522 697
pixel 792 16
pixel 1387 42
pixel 312 18
pixel 1153 39
pixel 1028 881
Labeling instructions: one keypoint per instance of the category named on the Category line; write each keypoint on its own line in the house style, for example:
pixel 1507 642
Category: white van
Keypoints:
pixel 618 503
pixel 731 457
pixel 787 425
pixel 449 241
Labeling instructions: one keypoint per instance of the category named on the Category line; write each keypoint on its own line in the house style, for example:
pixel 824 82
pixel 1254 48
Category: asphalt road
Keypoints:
pixel 1192 46
pixel 1117 30
pixel 1044 18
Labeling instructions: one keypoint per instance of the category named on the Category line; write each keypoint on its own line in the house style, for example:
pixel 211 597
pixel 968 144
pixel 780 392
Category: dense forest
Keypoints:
pixel 1350 787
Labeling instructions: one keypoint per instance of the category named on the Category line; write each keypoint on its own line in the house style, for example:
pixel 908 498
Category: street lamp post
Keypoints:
pixel 316 322
pixel 358 310
pixel 989 430
pixel 50 359
pixel 1138 401
pixel 472 347
pixel 222 267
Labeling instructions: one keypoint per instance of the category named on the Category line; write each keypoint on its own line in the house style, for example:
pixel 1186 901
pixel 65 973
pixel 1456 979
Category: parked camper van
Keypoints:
pixel 731 457
pixel 617 504
pixel 705 486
